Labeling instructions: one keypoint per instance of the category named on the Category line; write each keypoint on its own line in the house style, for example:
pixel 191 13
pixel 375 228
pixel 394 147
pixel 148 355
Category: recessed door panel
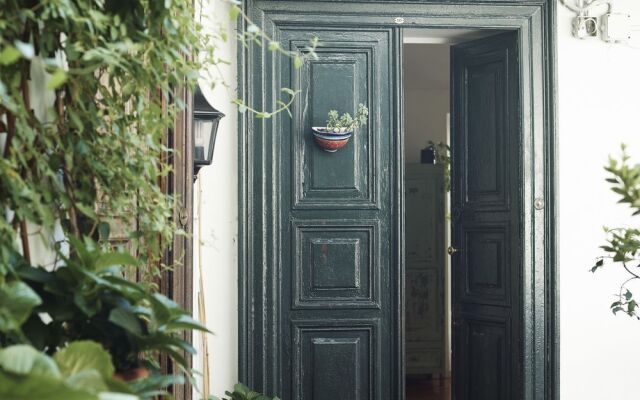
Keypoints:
pixel 334 362
pixel 485 265
pixel 485 365
pixel 341 78
pixel 336 264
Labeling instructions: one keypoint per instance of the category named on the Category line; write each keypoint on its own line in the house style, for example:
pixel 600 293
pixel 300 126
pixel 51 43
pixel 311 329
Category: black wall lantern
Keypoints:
pixel 205 127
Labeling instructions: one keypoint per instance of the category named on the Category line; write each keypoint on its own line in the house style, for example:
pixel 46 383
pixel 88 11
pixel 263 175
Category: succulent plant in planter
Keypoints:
pixel 339 128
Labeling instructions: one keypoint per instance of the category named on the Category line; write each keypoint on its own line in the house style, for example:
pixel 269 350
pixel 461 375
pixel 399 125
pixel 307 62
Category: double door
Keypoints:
pixel 327 262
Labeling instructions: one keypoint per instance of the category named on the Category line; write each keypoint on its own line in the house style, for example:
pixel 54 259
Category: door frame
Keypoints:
pixel 535 22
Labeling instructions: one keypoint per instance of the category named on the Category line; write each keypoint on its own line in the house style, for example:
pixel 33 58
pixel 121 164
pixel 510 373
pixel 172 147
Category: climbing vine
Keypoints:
pixel 88 89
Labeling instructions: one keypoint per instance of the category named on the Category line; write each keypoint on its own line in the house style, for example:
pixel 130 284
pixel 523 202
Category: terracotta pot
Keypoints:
pixel 132 374
pixel 330 140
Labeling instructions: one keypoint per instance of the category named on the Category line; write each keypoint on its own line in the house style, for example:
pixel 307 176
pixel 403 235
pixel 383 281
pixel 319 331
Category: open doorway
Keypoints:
pixel 427 312
pixel 429 252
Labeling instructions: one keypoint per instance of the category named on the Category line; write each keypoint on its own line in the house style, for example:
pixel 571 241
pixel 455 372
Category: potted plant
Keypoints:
pixel 339 129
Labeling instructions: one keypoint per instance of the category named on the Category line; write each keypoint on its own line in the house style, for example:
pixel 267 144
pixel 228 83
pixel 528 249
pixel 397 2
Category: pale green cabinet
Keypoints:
pixel 425 267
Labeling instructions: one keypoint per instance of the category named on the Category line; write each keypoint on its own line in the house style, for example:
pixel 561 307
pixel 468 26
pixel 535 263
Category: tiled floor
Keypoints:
pixel 429 389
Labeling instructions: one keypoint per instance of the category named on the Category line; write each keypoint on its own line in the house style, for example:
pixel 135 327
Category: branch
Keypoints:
pixel 635 276
pixel 73 217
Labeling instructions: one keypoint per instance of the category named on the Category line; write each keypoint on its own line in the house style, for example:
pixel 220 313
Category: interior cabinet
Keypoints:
pixel 425 268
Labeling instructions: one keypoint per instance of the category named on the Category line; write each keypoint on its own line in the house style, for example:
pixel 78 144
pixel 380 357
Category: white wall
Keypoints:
pixel 216 194
pixel 425 119
pixel 599 107
pixel 426 97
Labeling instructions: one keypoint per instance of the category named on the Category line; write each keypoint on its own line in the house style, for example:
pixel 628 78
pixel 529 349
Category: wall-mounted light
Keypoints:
pixel 205 127
pixel 610 26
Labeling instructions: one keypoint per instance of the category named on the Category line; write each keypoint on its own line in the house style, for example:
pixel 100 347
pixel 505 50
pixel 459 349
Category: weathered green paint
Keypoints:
pixel 486 219
pixel 270 205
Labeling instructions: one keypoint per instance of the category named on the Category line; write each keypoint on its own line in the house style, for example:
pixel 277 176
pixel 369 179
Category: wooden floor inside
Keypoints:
pixel 428 389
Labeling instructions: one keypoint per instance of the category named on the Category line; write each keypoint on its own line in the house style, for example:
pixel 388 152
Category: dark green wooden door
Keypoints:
pixel 332 266
pixel 486 225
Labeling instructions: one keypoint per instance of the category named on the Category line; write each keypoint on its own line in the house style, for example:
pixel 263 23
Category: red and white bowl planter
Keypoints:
pixel 331 140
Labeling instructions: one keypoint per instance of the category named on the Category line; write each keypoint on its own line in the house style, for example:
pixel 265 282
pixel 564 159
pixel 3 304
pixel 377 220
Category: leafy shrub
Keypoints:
pixel 82 371
pixel 623 243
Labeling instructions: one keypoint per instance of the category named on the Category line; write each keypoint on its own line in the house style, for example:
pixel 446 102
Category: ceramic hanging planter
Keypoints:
pixel 331 140
pixel 339 129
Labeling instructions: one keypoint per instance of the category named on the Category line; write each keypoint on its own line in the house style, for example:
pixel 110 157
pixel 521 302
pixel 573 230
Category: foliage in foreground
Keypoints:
pixel 87 91
pixel 242 392
pixel 82 371
pixel 623 243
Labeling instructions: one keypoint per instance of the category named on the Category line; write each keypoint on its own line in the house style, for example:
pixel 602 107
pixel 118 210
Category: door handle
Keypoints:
pixel 452 250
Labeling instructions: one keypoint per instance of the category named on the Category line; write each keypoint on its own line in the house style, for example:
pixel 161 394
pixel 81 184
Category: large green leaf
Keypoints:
pixel 107 260
pixel 89 380
pixel 186 322
pixel 17 300
pixel 164 308
pixel 39 387
pixel 82 356
pixel 25 360
pixel 126 320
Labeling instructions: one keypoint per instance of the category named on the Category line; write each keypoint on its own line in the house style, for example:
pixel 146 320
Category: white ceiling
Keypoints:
pixel 445 36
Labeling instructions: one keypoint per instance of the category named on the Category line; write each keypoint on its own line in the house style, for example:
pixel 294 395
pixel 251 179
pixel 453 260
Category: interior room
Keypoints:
pixel 427 133
pixel 426 97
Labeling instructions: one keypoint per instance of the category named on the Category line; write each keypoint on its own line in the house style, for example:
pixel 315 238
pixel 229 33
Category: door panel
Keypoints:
pixel 335 361
pixel 335 299
pixel 486 209
pixel 341 78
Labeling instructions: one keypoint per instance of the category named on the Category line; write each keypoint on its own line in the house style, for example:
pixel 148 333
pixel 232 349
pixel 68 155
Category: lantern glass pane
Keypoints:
pixel 202 137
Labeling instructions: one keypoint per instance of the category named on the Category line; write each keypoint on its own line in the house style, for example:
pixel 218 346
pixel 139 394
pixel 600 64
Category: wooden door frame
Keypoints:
pixel 535 22
pixel 177 282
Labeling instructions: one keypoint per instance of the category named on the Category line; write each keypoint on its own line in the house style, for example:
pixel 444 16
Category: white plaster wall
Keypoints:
pixel 426 97
pixel 599 107
pixel 216 195
pixel 425 118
